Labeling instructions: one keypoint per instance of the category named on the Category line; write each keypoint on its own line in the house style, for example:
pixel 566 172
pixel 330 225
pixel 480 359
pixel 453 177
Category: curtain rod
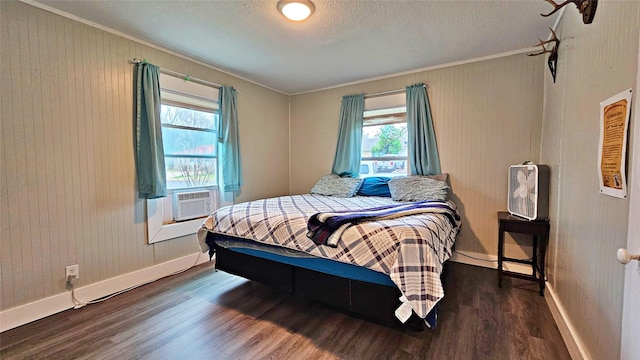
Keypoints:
pixel 390 92
pixel 185 77
pixel 383 93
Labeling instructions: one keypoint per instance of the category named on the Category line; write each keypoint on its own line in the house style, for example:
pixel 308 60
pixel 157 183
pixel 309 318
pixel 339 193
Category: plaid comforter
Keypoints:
pixel 410 249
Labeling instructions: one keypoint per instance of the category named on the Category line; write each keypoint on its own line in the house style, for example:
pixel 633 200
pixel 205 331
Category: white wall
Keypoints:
pixel 595 62
pixel 487 116
pixel 67 192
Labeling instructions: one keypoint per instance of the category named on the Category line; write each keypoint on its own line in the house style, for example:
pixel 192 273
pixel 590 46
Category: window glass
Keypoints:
pixel 182 115
pixel 180 141
pixel 384 143
pixel 188 116
pixel 184 172
pixel 189 141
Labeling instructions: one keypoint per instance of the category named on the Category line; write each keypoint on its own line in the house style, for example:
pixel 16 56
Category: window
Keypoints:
pixel 384 138
pixel 189 114
pixel 189 138
pixel 189 134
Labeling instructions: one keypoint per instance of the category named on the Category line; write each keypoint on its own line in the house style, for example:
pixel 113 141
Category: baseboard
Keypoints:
pixel 27 313
pixel 488 261
pixel 568 332
pixel 569 335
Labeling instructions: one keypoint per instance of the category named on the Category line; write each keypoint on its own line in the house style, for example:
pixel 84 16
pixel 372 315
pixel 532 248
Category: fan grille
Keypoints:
pixel 523 191
pixel 528 195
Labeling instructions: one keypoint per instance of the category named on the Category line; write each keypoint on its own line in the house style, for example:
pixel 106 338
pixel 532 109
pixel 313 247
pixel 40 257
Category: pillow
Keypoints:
pixel 375 186
pixel 417 188
pixel 334 185
pixel 441 177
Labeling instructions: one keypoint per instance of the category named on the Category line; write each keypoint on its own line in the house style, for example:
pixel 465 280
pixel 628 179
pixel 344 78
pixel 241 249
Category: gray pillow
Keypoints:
pixel 442 177
pixel 334 185
pixel 417 188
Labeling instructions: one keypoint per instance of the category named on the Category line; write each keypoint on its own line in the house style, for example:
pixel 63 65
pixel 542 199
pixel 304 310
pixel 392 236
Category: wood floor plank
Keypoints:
pixel 491 340
pixel 318 335
pixel 207 314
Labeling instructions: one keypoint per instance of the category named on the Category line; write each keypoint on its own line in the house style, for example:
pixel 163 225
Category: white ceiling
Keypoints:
pixel 342 42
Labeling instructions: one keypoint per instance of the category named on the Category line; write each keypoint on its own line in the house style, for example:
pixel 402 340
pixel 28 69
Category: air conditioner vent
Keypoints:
pixel 191 205
pixel 193 195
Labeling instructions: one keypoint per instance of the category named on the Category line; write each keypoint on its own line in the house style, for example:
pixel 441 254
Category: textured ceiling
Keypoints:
pixel 342 42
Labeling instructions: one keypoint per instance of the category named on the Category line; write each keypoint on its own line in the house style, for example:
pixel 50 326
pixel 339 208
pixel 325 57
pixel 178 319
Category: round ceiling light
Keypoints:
pixel 296 10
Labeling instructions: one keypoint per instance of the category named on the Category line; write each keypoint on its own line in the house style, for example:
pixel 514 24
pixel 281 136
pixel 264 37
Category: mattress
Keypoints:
pixel 303 260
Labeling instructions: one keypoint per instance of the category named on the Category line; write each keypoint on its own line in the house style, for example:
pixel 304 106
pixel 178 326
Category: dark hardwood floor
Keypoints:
pixel 202 314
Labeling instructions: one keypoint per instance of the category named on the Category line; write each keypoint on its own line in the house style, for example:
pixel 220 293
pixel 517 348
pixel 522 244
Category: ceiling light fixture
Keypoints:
pixel 296 10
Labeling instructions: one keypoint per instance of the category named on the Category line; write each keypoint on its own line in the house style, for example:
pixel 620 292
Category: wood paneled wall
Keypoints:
pixel 487 116
pixel 68 193
pixel 595 62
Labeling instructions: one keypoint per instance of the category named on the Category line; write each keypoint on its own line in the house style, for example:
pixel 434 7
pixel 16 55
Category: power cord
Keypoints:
pixel 72 280
pixel 473 257
pixel 493 261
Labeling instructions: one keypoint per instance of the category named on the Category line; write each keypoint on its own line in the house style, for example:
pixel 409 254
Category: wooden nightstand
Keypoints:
pixel 539 230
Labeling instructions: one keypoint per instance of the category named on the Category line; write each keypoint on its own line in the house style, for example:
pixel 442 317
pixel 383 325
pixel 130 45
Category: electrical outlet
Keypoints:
pixel 73 272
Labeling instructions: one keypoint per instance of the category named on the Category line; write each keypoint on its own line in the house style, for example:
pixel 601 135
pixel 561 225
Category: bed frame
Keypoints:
pixel 373 302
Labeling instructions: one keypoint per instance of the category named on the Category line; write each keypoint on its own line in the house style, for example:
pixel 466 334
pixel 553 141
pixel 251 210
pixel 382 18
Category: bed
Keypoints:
pixel 387 271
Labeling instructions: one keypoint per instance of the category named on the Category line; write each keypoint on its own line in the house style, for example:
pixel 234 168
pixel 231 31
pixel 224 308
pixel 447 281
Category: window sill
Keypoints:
pixel 158 230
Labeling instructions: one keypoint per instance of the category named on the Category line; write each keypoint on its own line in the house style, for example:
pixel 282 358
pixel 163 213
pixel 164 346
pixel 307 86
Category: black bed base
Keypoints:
pixel 373 302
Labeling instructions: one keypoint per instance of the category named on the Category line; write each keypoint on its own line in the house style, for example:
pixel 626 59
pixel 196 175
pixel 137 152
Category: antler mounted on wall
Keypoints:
pixel 586 7
pixel 553 57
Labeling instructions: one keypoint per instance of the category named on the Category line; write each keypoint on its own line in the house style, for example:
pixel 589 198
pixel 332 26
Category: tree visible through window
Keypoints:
pixel 189 138
pixel 384 143
pixel 389 140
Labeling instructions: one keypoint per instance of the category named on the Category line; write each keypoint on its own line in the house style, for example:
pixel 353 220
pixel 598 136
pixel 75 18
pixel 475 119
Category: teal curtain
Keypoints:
pixel 229 140
pixel 152 182
pixel 348 150
pixel 423 149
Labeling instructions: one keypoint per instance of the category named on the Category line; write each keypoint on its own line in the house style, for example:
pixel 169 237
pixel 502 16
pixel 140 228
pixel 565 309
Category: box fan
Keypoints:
pixel 529 191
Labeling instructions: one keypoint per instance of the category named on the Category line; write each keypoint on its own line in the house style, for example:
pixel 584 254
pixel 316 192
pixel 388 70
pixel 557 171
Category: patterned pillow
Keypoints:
pixel 334 185
pixel 442 177
pixel 417 188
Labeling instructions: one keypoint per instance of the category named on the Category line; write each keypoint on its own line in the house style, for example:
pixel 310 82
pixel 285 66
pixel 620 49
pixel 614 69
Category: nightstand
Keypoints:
pixel 539 229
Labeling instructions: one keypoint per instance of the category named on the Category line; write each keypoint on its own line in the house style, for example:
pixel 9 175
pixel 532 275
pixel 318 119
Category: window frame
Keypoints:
pixel 158 211
pixel 214 133
pixel 379 108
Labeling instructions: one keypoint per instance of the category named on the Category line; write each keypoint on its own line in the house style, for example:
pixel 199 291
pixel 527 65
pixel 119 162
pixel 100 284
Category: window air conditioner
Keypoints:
pixel 191 205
